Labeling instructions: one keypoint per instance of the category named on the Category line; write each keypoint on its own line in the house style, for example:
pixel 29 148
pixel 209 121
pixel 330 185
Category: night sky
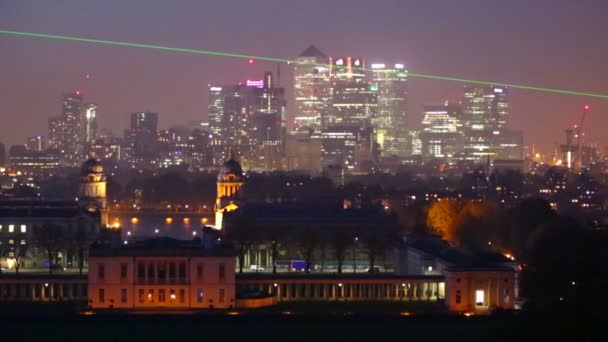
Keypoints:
pixel 551 43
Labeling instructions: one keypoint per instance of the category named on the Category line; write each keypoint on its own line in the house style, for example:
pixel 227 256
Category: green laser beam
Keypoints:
pixel 283 60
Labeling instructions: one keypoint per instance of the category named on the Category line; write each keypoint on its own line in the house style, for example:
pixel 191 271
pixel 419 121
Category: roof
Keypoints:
pixel 312 51
pixel 299 212
pixel 458 258
pixel 91 166
pixel 43 210
pixel 231 167
pixel 161 246
pixel 334 276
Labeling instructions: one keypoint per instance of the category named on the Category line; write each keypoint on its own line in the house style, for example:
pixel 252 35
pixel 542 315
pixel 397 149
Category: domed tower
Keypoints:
pixel 229 181
pixel 92 193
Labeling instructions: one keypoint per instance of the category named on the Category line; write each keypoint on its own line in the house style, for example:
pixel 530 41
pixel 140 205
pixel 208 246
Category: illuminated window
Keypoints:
pixel 123 295
pixel 150 296
pixel 0 228
pixel 23 228
pixel 102 295
pixel 11 242
pixel 11 228
pixel 479 297
pixel 200 295
pixel 22 241
pixel 222 295
pixel 172 295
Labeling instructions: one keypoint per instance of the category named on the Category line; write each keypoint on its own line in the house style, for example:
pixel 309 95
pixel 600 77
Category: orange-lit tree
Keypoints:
pixel 444 217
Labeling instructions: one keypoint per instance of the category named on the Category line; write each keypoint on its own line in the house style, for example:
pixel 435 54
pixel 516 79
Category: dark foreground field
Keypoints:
pixel 295 323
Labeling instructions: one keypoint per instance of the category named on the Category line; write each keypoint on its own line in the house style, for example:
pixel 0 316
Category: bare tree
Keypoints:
pixel 49 238
pixel 340 243
pixel 20 255
pixel 242 235
pixel 80 242
pixel 308 241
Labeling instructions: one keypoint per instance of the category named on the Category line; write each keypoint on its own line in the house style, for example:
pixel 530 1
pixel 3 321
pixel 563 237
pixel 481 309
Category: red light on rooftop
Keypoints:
pixel 587 107
pixel 251 61
pixel 77 92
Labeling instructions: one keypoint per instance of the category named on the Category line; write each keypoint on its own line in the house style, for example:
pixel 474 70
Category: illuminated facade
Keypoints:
pixel 311 88
pixel 65 131
pixel 161 273
pixel 390 121
pixel 441 136
pixel 90 126
pixel 92 194
pixel 229 181
pixel 36 144
pixel 143 139
pixel 485 114
pixel 250 122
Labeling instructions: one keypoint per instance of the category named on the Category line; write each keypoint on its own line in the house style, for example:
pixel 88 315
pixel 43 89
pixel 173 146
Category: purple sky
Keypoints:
pixel 552 43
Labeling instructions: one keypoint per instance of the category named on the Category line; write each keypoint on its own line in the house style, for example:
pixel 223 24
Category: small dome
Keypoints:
pixel 91 166
pixel 230 167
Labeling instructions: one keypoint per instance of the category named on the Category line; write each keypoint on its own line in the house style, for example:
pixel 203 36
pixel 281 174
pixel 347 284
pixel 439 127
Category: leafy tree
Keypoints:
pixel 566 268
pixel 443 217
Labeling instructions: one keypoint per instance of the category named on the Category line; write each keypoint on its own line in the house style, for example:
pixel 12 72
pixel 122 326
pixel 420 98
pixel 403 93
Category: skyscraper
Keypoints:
pixel 65 131
pixel 485 114
pixel 441 136
pixel 35 144
pixel 248 119
pixel 311 88
pixel 2 154
pixel 390 120
pixel 143 139
pixel 90 126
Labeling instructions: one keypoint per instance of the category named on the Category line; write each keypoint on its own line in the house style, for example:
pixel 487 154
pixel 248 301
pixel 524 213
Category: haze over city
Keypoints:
pixel 303 170
pixel 556 44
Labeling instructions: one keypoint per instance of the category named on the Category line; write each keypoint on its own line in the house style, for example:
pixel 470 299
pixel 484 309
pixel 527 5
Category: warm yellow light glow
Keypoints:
pixel 204 220
pixel 173 296
pixel 233 313
pixel 405 313
pixel 169 220
pixel 186 220
pixel 116 225
pixel 134 220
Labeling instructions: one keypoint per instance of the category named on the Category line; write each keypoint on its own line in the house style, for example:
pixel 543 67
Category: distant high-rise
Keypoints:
pixel 143 139
pixel 485 114
pixel 65 131
pixel 2 154
pixel 311 92
pixel 441 135
pixel 249 120
pixel 35 144
pixel 90 126
pixel 390 121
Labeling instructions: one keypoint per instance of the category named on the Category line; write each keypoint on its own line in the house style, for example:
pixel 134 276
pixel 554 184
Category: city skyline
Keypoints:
pixel 178 93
